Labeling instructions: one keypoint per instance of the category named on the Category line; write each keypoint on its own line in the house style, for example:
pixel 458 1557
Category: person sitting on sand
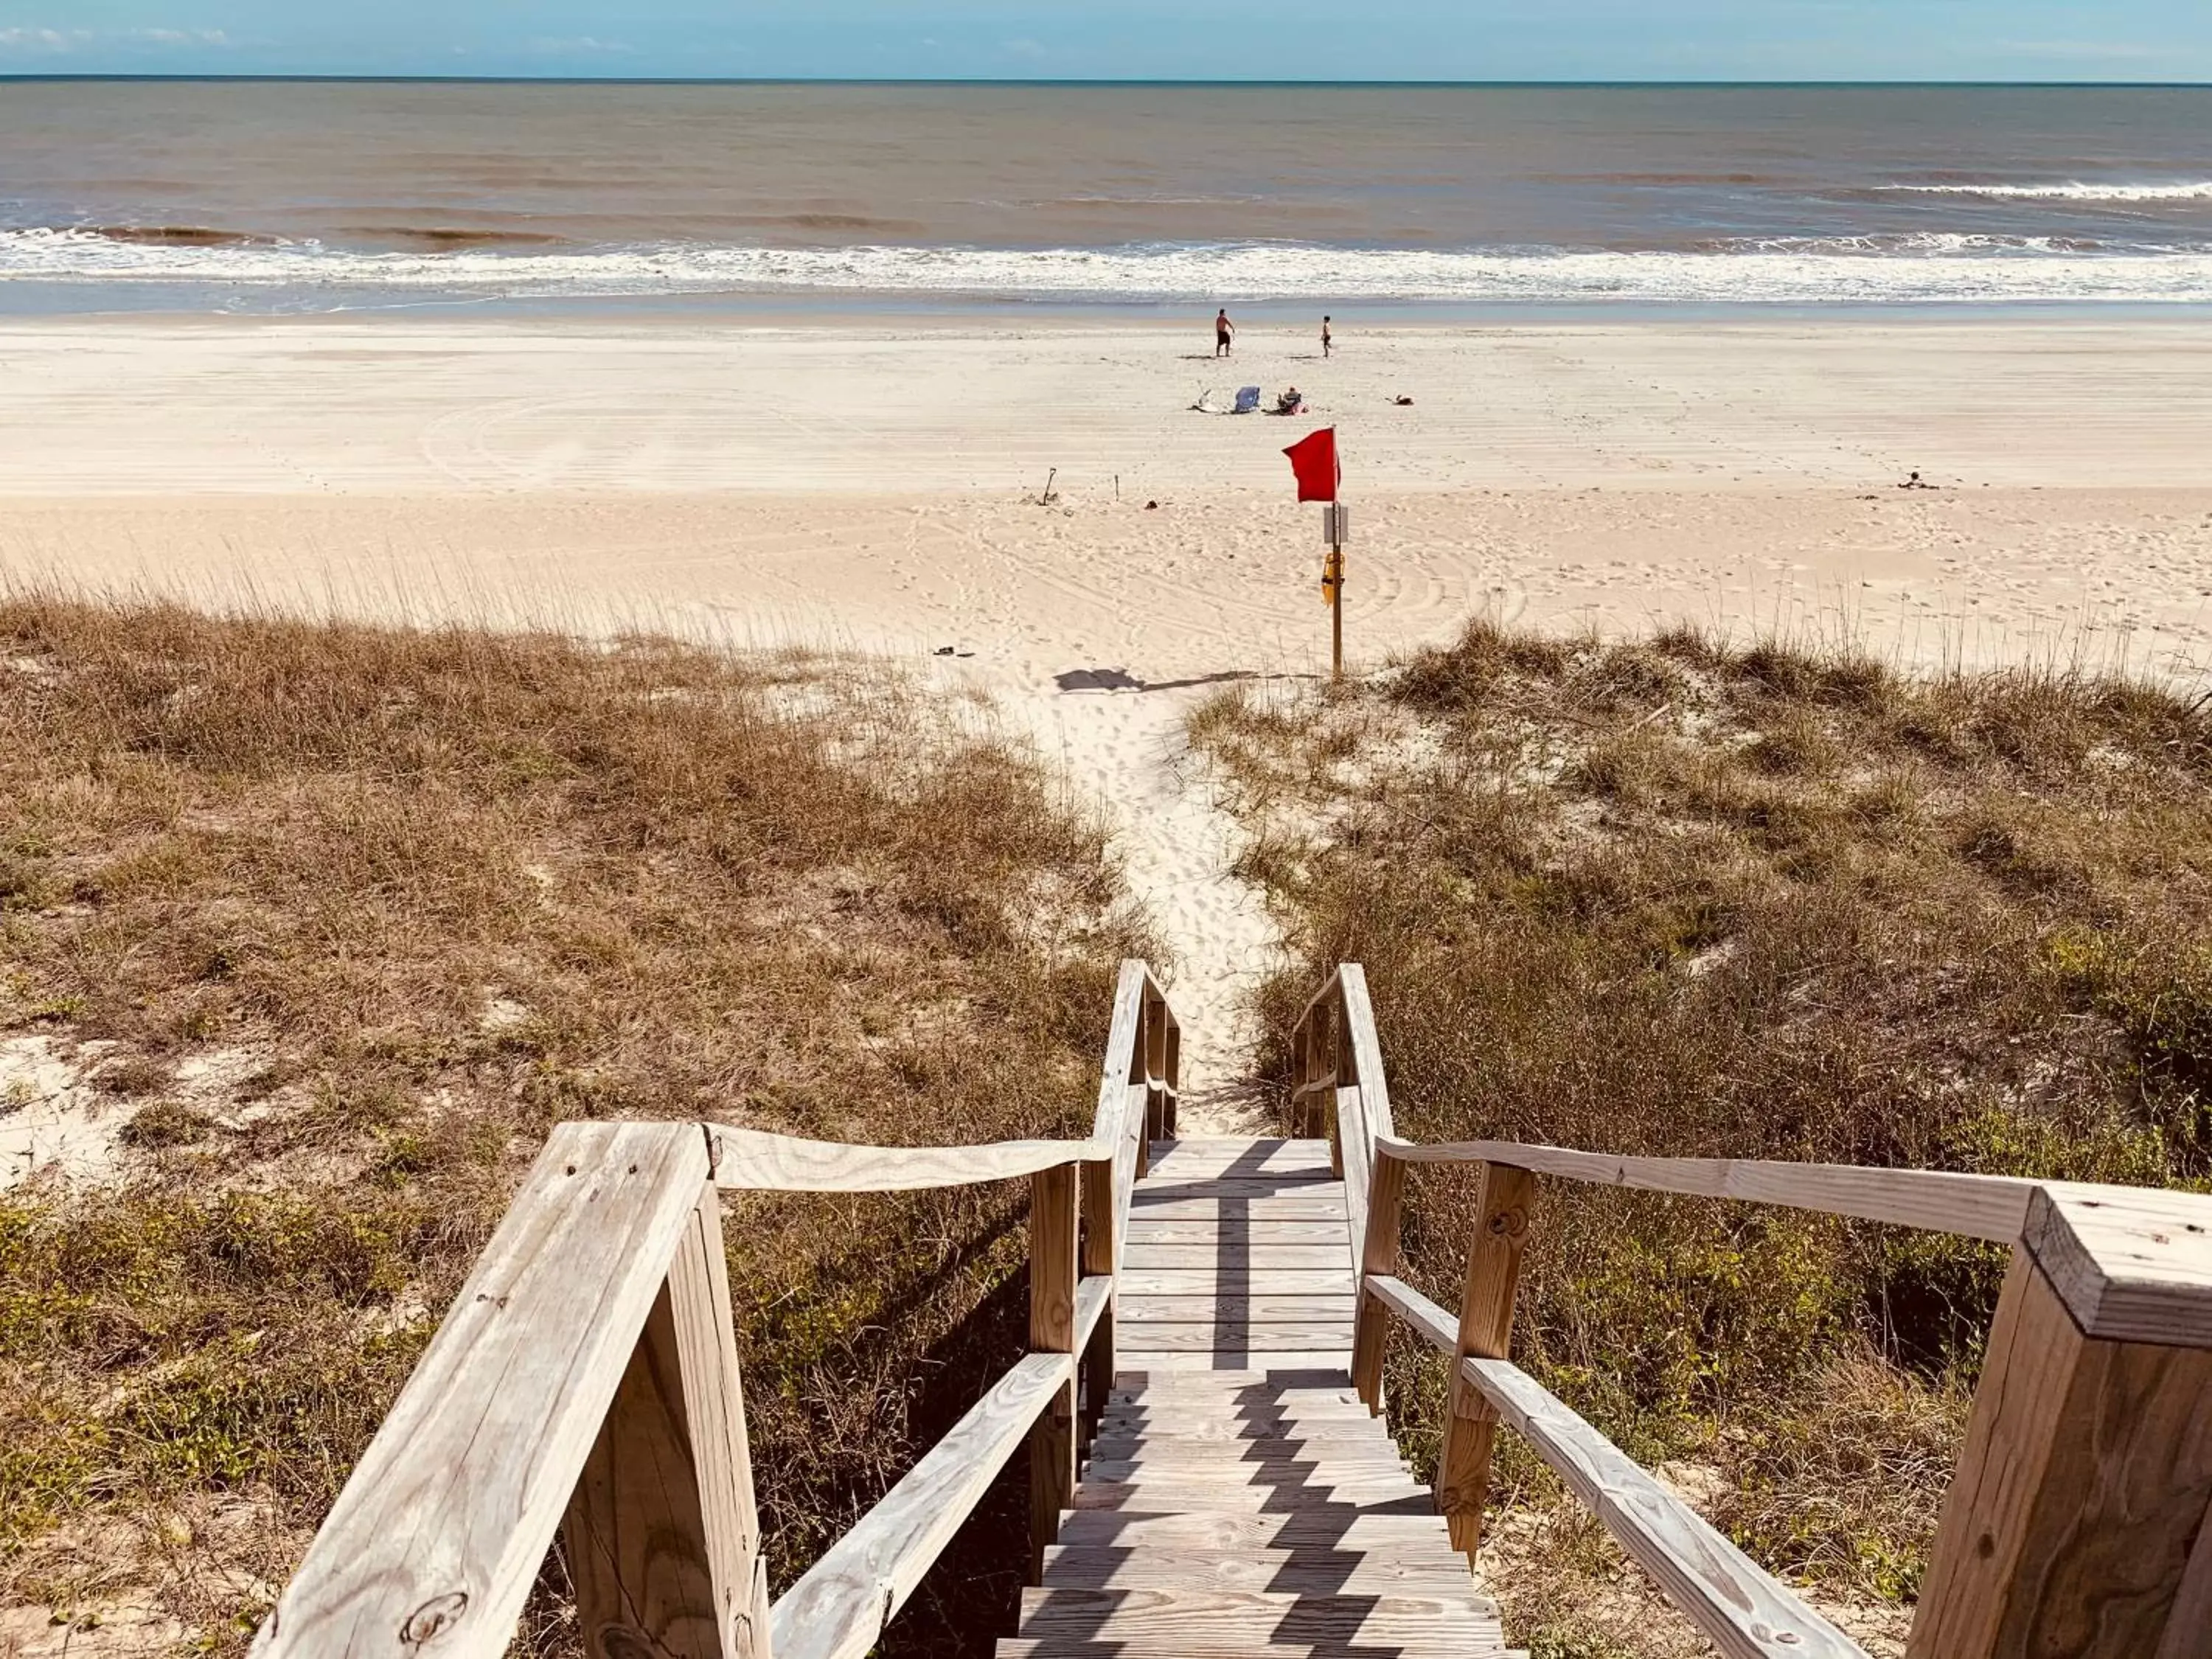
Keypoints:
pixel 1291 403
pixel 1224 332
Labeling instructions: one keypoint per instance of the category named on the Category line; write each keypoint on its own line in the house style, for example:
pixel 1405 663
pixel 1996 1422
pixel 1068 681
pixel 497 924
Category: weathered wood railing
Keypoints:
pixel 2079 1522
pixel 586 1382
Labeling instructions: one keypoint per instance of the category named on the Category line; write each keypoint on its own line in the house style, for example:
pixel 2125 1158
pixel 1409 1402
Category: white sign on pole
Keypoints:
pixel 1336 523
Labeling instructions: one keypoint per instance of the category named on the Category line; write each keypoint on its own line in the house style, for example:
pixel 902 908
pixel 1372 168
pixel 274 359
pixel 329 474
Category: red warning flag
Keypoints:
pixel 1313 458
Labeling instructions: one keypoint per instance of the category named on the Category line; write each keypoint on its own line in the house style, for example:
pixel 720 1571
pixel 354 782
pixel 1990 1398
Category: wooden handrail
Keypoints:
pixel 753 1160
pixel 842 1604
pixel 2080 1515
pixel 1734 1604
pixel 1978 1206
pixel 2133 1264
pixel 586 1378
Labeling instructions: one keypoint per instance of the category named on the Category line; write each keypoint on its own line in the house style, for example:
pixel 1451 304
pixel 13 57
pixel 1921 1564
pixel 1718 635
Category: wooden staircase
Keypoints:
pixel 1239 1498
pixel 1193 1331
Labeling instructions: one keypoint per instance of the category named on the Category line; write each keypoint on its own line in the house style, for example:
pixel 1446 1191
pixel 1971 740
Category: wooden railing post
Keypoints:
pixel 1378 1253
pixel 1485 1332
pixel 1341 1068
pixel 2080 1520
pixel 1052 1277
pixel 444 1523
pixel 663 1532
pixel 1101 1258
pixel 1153 1055
pixel 1171 1066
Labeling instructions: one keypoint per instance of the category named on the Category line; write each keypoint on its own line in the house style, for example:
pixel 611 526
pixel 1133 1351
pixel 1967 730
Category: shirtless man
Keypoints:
pixel 1327 340
pixel 1224 332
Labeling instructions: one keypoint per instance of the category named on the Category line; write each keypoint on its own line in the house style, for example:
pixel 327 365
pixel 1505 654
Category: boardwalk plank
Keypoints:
pixel 1208 1620
pixel 1163 1255
pixel 1137 1286
pixel 1193 1360
pixel 1189 1309
pixel 1253 1337
pixel 1314 1571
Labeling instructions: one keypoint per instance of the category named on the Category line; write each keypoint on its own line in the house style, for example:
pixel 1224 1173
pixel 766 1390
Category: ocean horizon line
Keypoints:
pixel 1200 81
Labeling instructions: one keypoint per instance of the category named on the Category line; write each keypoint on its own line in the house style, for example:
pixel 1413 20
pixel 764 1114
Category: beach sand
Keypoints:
pixel 874 484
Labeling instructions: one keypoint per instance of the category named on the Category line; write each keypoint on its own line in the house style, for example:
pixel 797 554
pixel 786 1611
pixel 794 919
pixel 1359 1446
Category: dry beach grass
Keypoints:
pixel 1674 896
pixel 314 930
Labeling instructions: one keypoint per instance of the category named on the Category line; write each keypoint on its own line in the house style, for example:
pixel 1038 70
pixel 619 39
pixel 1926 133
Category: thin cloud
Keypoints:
pixel 2104 51
pixel 60 42
pixel 582 45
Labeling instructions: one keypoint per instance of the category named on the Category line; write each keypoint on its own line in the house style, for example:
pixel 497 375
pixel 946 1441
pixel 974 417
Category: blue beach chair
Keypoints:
pixel 1248 400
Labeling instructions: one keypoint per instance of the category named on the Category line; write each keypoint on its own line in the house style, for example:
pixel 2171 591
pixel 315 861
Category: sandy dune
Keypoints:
pixel 872 483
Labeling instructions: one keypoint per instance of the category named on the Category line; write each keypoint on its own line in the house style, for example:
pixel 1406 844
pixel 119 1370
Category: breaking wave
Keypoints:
pixel 1918 269
pixel 2070 192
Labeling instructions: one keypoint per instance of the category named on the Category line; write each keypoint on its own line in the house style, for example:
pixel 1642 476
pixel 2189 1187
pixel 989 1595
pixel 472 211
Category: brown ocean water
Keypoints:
pixel 199 193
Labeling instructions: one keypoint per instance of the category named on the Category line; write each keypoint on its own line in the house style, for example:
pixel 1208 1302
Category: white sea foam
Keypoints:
pixel 2067 192
pixel 1926 269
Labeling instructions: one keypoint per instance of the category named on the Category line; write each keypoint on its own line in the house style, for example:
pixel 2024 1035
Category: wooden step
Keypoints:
pixel 1290 1474
pixel 1337 1528
pixel 1205 1308
pixel 1175 1176
pixel 1220 1452
pixel 1066 1647
pixel 1187 1431
pixel 1202 1202
pixel 1183 1159
pixel 1337 1464
pixel 1198 1398
pixel 1169 1415
pixel 1379 1496
pixel 1316 1440
pixel 1197 1361
pixel 1150 1254
pixel 1168 1647
pixel 1249 1384
pixel 1248 1621
pixel 1210 1398
pixel 1254 1338
pixel 1405 1568
pixel 1227 1234
pixel 1135 1288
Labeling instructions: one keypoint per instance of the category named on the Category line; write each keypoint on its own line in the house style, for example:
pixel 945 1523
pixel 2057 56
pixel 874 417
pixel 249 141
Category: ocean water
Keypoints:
pixel 274 196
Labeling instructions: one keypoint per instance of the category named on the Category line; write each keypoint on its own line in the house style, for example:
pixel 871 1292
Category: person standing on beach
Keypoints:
pixel 1224 332
pixel 1327 340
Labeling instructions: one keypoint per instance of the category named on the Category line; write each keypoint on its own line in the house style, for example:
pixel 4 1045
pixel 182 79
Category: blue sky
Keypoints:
pixel 1468 39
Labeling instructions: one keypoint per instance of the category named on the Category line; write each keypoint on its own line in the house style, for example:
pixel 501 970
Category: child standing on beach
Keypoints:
pixel 1328 341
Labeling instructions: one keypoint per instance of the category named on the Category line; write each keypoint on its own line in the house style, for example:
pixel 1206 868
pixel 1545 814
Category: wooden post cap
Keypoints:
pixel 2131 1264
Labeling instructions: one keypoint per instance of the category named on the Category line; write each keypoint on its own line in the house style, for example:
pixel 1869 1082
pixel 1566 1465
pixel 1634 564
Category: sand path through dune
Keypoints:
pixel 874 485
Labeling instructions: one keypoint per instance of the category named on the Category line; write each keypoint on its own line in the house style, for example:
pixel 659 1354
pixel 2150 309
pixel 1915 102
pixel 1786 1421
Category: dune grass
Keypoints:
pixel 1671 897
pixel 335 923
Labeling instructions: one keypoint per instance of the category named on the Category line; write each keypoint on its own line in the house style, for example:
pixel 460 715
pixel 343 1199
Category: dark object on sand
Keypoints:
pixel 1403 403
pixel 1152 506
pixel 1050 496
pixel 1915 482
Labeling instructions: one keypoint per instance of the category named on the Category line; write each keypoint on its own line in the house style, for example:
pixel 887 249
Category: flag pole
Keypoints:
pixel 1321 478
pixel 1337 592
